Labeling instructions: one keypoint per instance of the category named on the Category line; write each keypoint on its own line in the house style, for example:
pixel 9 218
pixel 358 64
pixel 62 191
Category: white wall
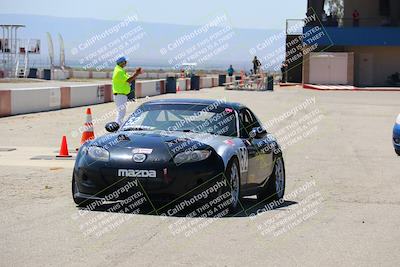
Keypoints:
pixel 80 74
pixel 181 82
pixel 35 100
pixel 59 74
pixel 82 95
pixel 206 82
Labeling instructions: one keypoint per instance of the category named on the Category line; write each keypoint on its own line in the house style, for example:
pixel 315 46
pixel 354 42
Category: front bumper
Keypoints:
pixel 98 180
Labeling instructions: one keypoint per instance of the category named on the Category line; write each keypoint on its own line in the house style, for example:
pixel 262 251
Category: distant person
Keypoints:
pixel 284 71
pixel 356 18
pixel 230 71
pixel 121 85
pixel 329 21
pixel 256 65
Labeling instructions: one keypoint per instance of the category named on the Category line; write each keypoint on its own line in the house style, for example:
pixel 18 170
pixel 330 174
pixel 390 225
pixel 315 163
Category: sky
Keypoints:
pixel 256 14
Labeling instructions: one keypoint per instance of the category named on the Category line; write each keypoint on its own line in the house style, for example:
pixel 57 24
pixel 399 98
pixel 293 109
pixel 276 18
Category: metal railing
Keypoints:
pixel 362 22
pixel 20 46
pixel 295 26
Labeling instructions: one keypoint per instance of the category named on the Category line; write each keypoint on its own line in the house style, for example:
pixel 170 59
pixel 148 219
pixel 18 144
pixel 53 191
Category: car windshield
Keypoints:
pixel 183 117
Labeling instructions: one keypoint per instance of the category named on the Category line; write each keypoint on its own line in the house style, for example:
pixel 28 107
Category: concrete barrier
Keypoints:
pixel 214 81
pixel 19 101
pixel 59 74
pixel 183 83
pixel 28 100
pixel 83 95
pixel 188 84
pixel 80 74
pixel 206 82
pixel 5 103
pixel 88 74
pixel 149 88
pixel 40 74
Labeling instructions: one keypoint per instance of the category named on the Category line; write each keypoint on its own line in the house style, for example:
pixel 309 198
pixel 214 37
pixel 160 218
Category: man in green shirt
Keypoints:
pixel 121 85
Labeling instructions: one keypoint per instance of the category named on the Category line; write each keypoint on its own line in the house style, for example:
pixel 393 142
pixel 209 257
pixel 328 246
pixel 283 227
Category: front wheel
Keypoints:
pixel 275 187
pixel 232 175
pixel 397 152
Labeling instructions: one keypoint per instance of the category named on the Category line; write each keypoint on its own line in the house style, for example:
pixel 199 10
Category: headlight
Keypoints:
pixel 98 153
pixel 398 119
pixel 191 156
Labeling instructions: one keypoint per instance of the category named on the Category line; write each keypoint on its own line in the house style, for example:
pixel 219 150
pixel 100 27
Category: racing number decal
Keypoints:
pixel 243 159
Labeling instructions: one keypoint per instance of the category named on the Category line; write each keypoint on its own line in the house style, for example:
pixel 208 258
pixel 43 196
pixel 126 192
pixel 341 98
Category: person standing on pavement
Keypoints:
pixel 256 65
pixel 230 71
pixel 121 85
pixel 284 71
pixel 356 18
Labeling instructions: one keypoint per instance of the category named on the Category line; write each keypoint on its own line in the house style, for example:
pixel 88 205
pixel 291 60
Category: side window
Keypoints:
pixel 247 122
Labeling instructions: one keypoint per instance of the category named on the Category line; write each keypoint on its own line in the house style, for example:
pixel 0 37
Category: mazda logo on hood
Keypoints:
pixel 139 157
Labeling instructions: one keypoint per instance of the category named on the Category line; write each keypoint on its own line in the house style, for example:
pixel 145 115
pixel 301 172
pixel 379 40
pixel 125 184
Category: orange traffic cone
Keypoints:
pixel 88 133
pixel 64 149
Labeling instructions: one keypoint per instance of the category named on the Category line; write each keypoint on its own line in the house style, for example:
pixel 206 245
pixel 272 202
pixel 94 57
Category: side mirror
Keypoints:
pixel 257 132
pixel 112 127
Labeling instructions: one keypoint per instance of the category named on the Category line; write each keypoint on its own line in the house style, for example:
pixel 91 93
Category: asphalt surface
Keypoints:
pixel 342 204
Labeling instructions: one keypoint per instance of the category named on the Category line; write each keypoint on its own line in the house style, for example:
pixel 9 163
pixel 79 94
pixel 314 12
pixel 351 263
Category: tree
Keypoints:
pixel 335 7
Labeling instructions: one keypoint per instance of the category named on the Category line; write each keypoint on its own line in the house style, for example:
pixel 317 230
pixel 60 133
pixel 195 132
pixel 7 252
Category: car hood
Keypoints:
pixel 172 142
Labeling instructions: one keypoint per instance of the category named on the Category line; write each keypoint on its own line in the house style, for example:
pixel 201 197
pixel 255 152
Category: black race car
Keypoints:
pixel 174 149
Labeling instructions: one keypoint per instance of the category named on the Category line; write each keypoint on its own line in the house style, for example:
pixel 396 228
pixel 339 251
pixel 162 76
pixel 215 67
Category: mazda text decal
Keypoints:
pixel 137 173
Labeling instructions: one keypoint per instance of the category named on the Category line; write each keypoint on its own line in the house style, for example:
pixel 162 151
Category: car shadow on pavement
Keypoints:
pixel 248 207
pixel 252 206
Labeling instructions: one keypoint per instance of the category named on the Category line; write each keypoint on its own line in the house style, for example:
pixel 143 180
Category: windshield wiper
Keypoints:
pixel 138 128
pixel 187 131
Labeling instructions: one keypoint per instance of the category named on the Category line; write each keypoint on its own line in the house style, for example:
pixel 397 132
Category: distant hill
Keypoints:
pixel 146 51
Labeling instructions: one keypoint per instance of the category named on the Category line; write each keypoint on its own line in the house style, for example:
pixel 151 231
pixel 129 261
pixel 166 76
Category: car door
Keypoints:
pixel 260 158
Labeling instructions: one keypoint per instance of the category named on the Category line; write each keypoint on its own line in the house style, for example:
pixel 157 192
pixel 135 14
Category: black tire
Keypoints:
pixel 270 191
pixel 397 152
pixel 80 202
pixel 232 165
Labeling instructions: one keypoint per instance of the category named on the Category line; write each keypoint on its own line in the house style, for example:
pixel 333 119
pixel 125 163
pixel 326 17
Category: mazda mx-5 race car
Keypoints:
pixel 176 148
pixel 396 136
